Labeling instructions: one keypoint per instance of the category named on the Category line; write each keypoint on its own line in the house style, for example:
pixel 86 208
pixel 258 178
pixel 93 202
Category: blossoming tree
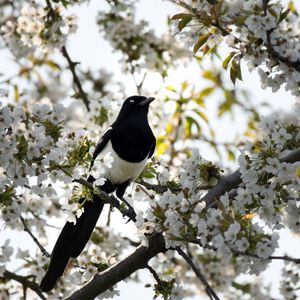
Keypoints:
pixel 205 224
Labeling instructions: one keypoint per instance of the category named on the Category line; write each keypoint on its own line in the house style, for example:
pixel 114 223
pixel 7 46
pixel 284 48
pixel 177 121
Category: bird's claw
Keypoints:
pixel 131 214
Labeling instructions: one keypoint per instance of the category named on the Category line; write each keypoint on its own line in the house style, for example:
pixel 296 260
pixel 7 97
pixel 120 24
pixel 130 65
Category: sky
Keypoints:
pixel 93 52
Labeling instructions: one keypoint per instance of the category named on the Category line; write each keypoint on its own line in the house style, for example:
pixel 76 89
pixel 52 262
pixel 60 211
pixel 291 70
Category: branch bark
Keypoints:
pixel 25 282
pixel 228 183
pixel 109 199
pixel 103 281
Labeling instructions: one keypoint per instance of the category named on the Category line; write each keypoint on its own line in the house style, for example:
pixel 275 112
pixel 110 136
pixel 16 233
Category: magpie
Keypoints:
pixel 130 142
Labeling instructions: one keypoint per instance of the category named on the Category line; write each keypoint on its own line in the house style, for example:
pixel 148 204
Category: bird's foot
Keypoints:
pixel 131 214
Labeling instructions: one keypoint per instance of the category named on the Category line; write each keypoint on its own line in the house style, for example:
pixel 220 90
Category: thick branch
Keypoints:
pixel 25 282
pixel 77 82
pixel 105 280
pixel 231 181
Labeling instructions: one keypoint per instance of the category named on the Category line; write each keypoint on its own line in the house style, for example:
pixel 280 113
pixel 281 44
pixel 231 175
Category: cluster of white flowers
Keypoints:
pixel 6 252
pixel 35 153
pixel 271 185
pixel 269 188
pixel 263 33
pixel 289 285
pixel 36 28
pixel 139 44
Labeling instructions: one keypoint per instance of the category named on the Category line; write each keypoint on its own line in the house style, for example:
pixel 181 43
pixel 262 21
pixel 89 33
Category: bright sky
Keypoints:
pixel 93 52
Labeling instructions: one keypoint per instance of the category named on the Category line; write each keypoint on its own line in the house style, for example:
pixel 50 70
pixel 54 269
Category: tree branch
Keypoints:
pixel 156 277
pixel 209 290
pixel 25 282
pixel 160 189
pixel 44 251
pixel 77 82
pixel 227 183
pixel 109 199
pixel 240 253
pixel 105 280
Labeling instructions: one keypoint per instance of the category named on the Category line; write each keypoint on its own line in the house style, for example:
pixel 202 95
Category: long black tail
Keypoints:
pixel 71 242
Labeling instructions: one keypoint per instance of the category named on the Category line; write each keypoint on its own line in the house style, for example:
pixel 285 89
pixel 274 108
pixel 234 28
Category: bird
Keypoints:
pixel 131 143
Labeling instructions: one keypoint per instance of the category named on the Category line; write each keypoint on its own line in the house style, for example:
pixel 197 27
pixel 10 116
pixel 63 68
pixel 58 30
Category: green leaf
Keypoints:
pixel 183 22
pixel 170 88
pixel 6 197
pixel 16 93
pixel 148 172
pixel 241 20
pixel 283 15
pixel 53 65
pixel 181 16
pixel 209 75
pixel 189 122
pixel 200 42
pixel 230 155
pixel 292 8
pixel 235 71
pixel 228 59
pixel 207 91
pixel 233 74
pixel 184 85
pixel 202 115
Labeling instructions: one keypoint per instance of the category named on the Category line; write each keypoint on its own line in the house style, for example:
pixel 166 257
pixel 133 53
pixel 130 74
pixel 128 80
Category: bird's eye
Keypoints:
pixel 131 101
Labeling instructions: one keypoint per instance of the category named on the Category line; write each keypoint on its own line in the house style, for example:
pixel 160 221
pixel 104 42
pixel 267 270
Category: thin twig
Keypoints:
pixel 146 192
pixel 160 189
pixel 209 290
pixel 45 253
pixel 156 277
pixel 240 253
pixel 77 82
pixel 25 282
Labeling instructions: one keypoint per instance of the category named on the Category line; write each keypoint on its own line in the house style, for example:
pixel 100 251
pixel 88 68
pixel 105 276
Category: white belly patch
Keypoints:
pixel 120 170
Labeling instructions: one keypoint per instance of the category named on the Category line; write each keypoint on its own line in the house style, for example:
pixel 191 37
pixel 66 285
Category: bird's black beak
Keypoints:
pixel 146 101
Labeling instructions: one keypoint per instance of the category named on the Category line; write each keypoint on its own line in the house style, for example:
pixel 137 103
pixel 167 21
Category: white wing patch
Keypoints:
pixel 120 170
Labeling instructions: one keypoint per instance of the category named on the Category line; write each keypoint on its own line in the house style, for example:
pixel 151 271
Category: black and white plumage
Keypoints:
pixel 130 142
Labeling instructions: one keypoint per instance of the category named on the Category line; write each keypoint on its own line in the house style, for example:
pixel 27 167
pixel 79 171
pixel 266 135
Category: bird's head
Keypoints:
pixel 136 106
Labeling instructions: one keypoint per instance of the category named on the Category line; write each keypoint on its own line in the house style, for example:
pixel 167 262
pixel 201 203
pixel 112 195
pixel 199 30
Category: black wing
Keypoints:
pixel 153 145
pixel 102 143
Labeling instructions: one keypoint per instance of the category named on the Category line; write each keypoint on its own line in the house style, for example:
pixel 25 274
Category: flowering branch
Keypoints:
pixel 105 280
pixel 272 257
pixel 209 290
pixel 241 253
pixel 231 181
pixel 160 189
pixel 109 199
pixel 25 282
pixel 44 251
